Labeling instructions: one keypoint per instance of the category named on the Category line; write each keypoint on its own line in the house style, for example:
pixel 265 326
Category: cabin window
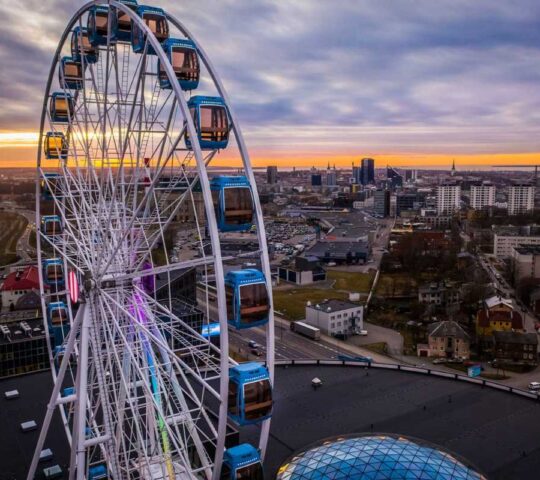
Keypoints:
pixel 54 272
pixel 158 25
pixel 73 70
pixel 238 206
pixel 250 472
pixel 257 399
pixel 58 315
pixel 185 63
pixel 124 22
pixel 214 125
pixel 102 22
pixel 253 303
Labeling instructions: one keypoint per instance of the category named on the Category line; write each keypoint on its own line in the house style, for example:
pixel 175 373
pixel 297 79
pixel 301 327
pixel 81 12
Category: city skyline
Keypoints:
pixel 418 84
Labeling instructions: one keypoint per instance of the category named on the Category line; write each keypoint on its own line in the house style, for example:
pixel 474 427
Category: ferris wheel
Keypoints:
pixel 133 116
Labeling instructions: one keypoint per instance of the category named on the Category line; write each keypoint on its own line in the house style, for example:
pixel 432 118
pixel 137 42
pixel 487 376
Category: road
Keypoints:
pixel 507 291
pixel 290 345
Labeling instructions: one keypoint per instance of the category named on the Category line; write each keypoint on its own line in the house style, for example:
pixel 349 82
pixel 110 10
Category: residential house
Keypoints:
pixel 497 315
pixel 447 339
pixel 439 293
pixel 515 348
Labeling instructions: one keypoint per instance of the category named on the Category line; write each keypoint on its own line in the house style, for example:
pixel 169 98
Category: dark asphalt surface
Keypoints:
pixel 496 431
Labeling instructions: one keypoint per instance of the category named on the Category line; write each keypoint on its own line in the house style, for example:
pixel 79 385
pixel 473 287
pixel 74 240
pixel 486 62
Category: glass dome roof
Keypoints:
pixel 375 457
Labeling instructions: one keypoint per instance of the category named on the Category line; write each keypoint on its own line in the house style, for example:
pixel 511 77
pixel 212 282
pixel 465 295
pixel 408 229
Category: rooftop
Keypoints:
pixel 447 328
pixel 516 337
pixel 496 431
pixel 333 305
pixel 26 278
pixel 21 331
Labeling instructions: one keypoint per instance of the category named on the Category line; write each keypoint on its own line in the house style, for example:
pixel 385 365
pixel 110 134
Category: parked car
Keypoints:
pixel 438 361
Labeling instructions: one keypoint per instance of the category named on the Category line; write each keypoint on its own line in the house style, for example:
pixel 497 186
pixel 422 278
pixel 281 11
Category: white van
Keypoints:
pixel 534 386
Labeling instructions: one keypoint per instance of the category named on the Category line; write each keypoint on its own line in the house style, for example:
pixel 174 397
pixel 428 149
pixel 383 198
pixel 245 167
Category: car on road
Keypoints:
pixel 438 361
pixel 253 344
pixel 534 386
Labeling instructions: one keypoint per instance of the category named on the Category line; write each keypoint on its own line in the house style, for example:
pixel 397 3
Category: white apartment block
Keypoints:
pixel 520 198
pixel 336 317
pixel 448 198
pixel 482 196
pixel 506 239
pixel 526 262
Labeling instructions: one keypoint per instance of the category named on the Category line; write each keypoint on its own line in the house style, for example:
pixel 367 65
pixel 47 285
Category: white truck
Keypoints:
pixel 306 330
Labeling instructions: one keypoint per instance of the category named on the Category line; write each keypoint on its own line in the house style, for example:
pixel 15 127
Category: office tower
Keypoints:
pixel 368 171
pixel 381 202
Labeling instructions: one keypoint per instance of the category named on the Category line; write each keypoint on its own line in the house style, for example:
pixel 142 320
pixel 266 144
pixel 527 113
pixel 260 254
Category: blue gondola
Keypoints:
pixel 250 393
pixel 61 107
pixel 97 472
pixel 68 391
pixel 233 203
pixel 242 462
pixel 51 225
pixel 211 120
pixel 57 313
pixel 59 353
pixel 247 298
pixel 53 272
pixel 98 25
pixel 55 146
pixel 156 20
pixel 185 62
pixel 50 186
pixel 70 74
pixel 122 23
pixel 57 318
pixel 81 46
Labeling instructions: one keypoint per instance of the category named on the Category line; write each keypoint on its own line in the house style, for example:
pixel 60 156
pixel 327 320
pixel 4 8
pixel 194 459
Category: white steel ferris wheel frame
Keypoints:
pixel 79 322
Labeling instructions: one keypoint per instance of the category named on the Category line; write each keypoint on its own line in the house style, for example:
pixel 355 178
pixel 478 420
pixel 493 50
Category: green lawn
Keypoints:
pixel 292 302
pixel 351 281
pixel 12 226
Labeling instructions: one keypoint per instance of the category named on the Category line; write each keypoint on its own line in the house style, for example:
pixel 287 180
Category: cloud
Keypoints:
pixel 414 75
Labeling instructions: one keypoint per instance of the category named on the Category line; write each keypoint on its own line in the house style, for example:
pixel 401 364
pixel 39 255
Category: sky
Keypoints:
pixel 408 82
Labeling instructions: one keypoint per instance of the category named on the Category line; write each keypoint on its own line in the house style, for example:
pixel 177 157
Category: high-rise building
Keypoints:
pixel 381 202
pixel 356 174
pixel 367 174
pixel 395 179
pixel 482 195
pixel 448 198
pixel 520 198
pixel 316 180
pixel 331 176
pixel 271 174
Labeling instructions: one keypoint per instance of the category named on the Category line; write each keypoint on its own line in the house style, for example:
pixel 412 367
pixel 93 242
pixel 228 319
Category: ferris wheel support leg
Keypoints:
pixel 53 402
pixel 82 387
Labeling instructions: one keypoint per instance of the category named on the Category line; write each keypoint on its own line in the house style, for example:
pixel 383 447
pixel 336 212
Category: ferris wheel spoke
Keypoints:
pixel 164 396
